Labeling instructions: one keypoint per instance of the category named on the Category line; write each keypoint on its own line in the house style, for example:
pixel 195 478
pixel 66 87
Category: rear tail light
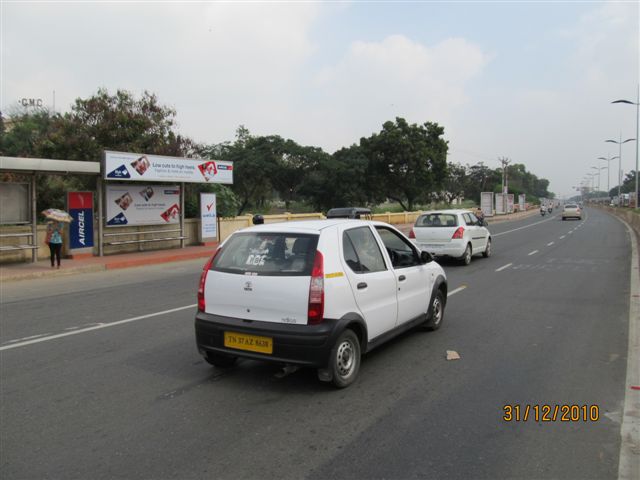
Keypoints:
pixel 316 291
pixel 203 279
pixel 458 233
pixel 412 234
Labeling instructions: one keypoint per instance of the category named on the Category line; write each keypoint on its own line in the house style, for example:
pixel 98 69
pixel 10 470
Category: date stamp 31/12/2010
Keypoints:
pixel 551 413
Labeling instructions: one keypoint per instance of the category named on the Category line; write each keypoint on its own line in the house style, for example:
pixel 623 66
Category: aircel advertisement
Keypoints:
pixel 208 219
pixel 142 205
pixel 137 167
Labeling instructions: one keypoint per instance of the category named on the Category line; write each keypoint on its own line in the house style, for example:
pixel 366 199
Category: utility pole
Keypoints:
pixel 505 182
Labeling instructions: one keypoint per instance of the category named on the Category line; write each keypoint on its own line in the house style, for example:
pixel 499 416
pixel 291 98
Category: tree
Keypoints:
pixel 455 182
pixel 407 163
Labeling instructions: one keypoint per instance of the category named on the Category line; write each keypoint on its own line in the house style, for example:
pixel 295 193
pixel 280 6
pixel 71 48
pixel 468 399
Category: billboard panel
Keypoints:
pixel 486 203
pixel 510 200
pixel 142 205
pixel 208 216
pixel 137 167
pixel 522 198
pixel 14 200
pixel 80 205
pixel 500 203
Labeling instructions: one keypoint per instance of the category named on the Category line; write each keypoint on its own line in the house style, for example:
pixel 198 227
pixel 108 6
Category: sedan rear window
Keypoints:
pixel 437 220
pixel 570 206
pixel 269 254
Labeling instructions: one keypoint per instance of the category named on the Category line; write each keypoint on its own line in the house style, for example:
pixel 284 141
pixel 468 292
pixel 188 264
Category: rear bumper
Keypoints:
pixel 304 345
pixel 455 248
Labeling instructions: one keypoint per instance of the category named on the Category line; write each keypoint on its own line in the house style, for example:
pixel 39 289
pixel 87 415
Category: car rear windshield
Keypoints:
pixel 571 206
pixel 263 253
pixel 437 220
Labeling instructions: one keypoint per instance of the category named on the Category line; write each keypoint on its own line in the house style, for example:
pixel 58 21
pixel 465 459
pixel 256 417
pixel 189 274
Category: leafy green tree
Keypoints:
pixel 455 182
pixel 407 163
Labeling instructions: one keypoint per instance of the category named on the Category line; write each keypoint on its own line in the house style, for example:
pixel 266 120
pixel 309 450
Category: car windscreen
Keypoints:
pixel 266 253
pixel 437 220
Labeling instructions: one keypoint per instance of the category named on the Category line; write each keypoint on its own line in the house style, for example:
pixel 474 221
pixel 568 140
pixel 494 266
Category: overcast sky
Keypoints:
pixel 529 81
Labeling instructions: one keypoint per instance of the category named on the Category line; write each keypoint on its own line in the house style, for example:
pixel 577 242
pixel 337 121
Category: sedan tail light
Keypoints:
pixel 316 291
pixel 412 234
pixel 203 280
pixel 458 233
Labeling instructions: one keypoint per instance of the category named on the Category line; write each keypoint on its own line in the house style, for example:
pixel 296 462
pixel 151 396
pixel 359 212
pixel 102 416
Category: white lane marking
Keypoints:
pixel 27 338
pixel 549 244
pixel 459 289
pixel 533 253
pixel 97 327
pixel 503 267
pixel 570 232
pixel 520 228
pixel 562 237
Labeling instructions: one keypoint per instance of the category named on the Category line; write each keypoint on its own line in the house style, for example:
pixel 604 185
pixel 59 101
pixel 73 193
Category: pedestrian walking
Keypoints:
pixel 54 240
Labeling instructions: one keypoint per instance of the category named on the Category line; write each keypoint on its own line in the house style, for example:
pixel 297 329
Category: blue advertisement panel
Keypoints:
pixel 81 228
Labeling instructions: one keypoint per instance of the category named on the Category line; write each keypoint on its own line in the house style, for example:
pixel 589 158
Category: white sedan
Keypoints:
pixel 452 233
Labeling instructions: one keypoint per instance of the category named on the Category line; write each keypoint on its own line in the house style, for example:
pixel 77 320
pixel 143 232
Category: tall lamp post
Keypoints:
pixel 608 160
pixel 637 104
pixel 620 160
pixel 598 169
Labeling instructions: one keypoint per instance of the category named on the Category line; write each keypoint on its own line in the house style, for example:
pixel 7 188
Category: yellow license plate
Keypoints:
pixel 252 343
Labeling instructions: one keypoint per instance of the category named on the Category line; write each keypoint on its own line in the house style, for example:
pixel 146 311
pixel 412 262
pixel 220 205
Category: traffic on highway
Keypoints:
pixel 509 358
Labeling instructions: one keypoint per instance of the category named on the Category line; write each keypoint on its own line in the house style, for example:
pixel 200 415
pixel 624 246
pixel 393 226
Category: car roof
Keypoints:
pixel 445 211
pixel 308 226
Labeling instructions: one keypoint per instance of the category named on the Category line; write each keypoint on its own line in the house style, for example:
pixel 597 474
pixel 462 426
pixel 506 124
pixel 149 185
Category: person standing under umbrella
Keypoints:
pixel 54 238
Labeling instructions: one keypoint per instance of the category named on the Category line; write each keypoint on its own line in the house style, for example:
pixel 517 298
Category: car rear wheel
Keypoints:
pixel 220 360
pixel 487 250
pixel 344 363
pixel 436 315
pixel 466 256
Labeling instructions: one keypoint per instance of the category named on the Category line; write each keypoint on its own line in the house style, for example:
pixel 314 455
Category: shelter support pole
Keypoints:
pixel 182 213
pixel 34 220
pixel 99 184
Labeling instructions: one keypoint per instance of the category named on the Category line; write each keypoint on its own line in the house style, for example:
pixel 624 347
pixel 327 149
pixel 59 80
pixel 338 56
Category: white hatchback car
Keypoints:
pixel 452 233
pixel 316 293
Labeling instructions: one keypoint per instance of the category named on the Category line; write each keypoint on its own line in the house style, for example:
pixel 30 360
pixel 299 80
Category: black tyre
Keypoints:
pixel 466 256
pixel 344 362
pixel 220 360
pixel 436 312
pixel 487 250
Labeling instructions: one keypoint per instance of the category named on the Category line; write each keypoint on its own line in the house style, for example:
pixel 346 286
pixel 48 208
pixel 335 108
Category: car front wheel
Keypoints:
pixel 487 250
pixel 436 315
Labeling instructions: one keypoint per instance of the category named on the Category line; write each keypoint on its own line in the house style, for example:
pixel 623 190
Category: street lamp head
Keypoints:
pixel 611 141
pixel 629 140
pixel 624 101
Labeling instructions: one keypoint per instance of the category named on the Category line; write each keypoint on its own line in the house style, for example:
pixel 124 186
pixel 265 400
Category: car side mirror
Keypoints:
pixel 426 257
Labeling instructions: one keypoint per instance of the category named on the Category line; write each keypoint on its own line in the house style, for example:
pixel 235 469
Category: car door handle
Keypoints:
pixel 402 278
pixel 362 285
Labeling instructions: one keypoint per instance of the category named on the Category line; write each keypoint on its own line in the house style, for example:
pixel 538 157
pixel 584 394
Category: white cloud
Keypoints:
pixel 376 81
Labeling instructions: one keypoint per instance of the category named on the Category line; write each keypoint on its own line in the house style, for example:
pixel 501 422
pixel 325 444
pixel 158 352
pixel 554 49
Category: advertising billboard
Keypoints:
pixel 208 216
pixel 142 205
pixel 14 199
pixel 522 198
pixel 137 167
pixel 80 205
pixel 500 203
pixel 510 201
pixel 486 203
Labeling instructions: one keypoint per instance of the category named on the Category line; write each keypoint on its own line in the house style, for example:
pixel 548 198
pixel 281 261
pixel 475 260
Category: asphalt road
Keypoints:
pixel 543 321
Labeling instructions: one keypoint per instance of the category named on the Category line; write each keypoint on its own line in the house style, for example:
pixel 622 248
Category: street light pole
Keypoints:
pixel 637 104
pixel 620 160
pixel 608 160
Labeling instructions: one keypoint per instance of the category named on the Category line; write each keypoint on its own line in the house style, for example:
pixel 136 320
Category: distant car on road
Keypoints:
pixel 571 210
pixel 316 294
pixel 452 233
pixel 350 212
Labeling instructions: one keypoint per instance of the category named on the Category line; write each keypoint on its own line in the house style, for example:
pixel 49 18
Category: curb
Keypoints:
pixel 52 273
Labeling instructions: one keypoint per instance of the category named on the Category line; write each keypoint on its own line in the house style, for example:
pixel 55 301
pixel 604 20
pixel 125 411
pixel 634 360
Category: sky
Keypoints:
pixel 530 81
